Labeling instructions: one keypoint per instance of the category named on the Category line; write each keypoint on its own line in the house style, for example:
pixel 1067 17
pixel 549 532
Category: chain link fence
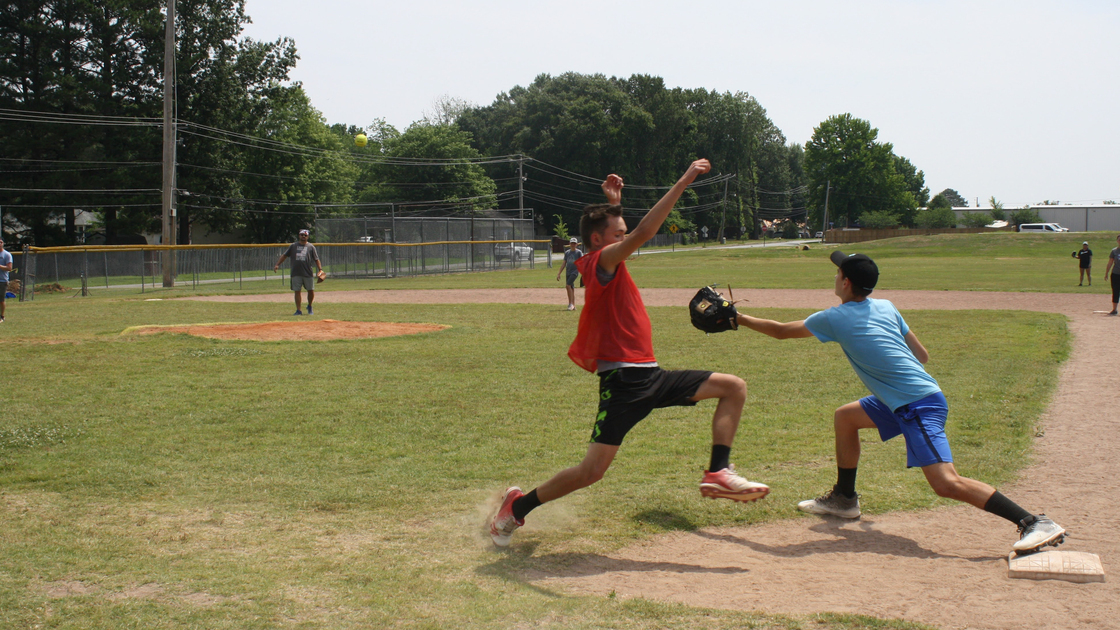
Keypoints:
pixel 142 267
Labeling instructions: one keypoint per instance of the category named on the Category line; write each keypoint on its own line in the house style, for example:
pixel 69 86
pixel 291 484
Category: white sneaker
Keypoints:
pixel 728 484
pixel 833 504
pixel 571 307
pixel 1040 533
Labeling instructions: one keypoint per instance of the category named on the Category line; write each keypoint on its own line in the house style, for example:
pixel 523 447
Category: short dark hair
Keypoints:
pixel 594 219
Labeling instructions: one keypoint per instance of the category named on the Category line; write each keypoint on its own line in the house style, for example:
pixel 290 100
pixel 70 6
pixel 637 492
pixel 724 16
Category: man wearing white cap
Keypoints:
pixel 1084 258
pixel 302 253
pixel 570 257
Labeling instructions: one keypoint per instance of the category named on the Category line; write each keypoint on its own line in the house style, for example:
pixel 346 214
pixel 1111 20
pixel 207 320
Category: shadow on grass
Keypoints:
pixel 665 520
pixel 862 539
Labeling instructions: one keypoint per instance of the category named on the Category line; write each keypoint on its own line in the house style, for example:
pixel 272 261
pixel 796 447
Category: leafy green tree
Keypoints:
pixel 997 209
pixel 435 161
pixel 955 199
pixel 678 220
pixel 914 184
pixel 936 218
pixel 940 201
pixel 878 219
pixel 559 228
pixel 844 150
pixel 1026 214
pixel 636 127
pixel 975 219
pixel 304 179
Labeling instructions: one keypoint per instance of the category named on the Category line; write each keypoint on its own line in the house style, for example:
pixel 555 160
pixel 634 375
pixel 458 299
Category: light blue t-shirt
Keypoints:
pixel 5 260
pixel 872 334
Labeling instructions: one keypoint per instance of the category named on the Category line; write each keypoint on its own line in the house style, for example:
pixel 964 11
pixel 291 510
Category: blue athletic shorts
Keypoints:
pixel 921 423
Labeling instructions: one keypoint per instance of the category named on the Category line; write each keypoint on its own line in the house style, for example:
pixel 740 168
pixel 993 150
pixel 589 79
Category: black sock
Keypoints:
pixel 846 481
pixel 525 504
pixel 1008 509
pixel 721 458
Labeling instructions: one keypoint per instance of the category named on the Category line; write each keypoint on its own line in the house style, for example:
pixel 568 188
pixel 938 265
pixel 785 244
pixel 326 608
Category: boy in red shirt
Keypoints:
pixel 615 340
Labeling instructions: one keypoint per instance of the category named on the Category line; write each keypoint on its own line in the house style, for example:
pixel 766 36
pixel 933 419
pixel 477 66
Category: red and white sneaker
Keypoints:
pixel 501 528
pixel 727 484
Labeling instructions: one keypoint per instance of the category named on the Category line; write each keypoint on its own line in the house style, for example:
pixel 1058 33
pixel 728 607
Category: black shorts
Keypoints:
pixel 627 395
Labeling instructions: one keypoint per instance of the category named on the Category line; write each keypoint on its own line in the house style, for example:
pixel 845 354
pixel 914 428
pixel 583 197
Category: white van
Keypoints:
pixel 1042 227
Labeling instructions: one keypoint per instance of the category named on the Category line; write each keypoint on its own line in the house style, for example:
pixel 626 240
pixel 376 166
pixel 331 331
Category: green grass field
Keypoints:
pixel 169 481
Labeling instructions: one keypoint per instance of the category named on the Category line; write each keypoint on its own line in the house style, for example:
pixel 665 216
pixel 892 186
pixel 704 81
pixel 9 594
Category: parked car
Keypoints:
pixel 366 239
pixel 513 251
pixel 819 235
pixel 1042 227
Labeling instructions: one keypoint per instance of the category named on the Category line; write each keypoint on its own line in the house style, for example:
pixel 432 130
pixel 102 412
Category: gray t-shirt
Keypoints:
pixel 1114 256
pixel 302 256
pixel 570 258
pixel 5 259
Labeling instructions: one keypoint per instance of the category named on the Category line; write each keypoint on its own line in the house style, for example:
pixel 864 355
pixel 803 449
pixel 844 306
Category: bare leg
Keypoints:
pixel 945 481
pixel 299 300
pixel 310 297
pixel 847 421
pixel 732 394
pixel 571 294
pixel 587 472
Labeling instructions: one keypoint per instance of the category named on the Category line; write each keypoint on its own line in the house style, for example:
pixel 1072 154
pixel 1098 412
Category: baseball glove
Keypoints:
pixel 711 313
pixel 321 276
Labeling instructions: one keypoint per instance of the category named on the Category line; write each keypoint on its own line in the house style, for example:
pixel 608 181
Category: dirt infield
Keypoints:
pixel 309 330
pixel 945 567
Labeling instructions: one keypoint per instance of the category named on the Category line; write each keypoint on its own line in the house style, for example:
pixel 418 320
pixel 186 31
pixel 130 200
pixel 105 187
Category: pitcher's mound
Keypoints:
pixel 315 330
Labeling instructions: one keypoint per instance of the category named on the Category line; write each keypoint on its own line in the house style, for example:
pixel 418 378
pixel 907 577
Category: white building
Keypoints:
pixel 1091 218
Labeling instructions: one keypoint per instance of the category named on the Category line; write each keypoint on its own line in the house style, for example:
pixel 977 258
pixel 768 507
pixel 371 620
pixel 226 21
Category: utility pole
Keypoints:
pixel 169 145
pixel 723 218
pixel 520 187
pixel 824 224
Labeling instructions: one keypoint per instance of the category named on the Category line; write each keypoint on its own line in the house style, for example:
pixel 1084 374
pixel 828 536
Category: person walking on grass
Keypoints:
pixel 570 257
pixel 1084 258
pixel 615 340
pixel 887 356
pixel 1112 270
pixel 302 253
pixel 6 264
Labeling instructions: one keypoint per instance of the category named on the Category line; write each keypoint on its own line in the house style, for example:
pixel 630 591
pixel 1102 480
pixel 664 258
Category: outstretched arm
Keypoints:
pixel 777 330
pixel 615 253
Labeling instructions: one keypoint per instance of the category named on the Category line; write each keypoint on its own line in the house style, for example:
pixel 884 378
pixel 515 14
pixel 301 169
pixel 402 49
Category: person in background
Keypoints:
pixel 302 253
pixel 570 257
pixel 1084 258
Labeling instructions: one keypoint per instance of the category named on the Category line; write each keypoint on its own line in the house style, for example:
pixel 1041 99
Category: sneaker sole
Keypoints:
pixel 1054 540
pixel 746 496
pixel 812 509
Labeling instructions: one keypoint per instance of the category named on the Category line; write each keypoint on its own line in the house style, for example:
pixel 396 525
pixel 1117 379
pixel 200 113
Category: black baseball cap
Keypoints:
pixel 861 270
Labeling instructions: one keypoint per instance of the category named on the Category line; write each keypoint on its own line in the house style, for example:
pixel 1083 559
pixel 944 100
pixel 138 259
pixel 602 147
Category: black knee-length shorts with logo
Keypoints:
pixel 627 395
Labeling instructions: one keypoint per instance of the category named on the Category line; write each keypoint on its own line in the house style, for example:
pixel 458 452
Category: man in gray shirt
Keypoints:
pixel 570 257
pixel 302 253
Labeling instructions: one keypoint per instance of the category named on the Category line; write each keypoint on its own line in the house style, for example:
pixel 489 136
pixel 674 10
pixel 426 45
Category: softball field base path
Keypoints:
pixel 946 567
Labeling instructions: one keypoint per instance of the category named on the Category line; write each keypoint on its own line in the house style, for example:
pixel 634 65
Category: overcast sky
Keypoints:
pixel 1016 99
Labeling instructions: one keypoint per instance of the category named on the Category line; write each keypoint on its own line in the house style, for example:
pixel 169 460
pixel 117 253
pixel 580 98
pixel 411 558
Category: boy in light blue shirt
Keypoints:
pixel 905 400
pixel 6 263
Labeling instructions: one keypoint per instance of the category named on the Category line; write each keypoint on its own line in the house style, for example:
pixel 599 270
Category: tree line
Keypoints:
pixel 81 101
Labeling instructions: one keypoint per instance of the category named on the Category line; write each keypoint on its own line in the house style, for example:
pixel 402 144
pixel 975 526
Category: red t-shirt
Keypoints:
pixel 613 325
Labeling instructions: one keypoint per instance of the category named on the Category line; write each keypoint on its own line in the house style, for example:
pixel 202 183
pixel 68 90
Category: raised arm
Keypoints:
pixel 615 253
pixel 777 330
